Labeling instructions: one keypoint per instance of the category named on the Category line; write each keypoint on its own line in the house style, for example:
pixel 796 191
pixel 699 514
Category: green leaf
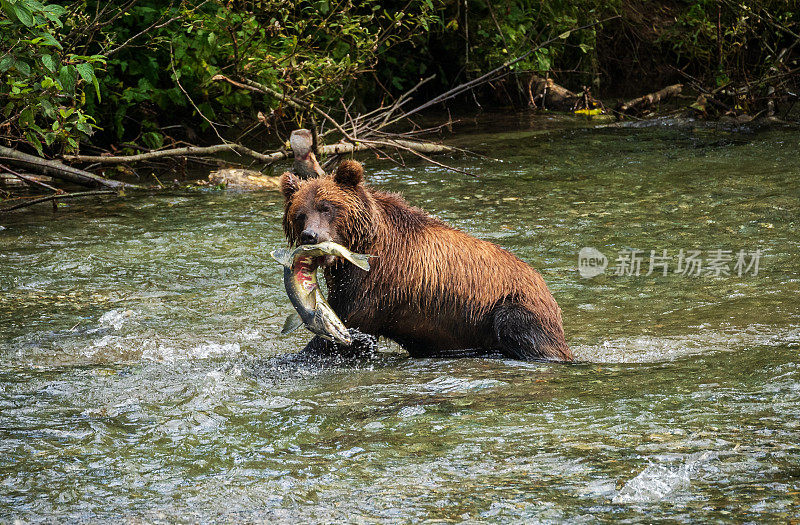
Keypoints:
pixel 26 117
pixel 5 63
pixel 86 71
pixel 55 10
pixel 23 68
pixel 34 141
pixel 49 62
pixel 23 14
pixel 565 35
pixel 50 40
pixel 84 127
pixel 96 88
pixel 68 77
pixel 153 139
pixel 47 108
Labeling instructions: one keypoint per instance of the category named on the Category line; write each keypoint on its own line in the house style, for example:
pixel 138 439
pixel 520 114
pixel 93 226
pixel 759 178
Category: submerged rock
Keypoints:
pixel 242 179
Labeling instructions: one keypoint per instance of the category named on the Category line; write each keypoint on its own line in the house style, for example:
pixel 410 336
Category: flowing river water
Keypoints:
pixel 136 343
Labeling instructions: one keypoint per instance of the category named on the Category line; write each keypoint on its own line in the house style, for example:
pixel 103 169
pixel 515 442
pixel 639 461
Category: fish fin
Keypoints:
pixel 283 256
pixel 293 322
pixel 332 248
pixel 360 260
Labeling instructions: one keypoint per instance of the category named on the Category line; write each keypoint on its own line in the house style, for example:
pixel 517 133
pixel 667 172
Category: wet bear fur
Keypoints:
pixel 433 289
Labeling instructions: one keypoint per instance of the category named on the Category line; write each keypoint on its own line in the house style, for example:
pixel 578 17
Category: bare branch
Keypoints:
pixel 180 152
pixel 58 196
pixel 267 159
pixel 59 170
pixel 30 180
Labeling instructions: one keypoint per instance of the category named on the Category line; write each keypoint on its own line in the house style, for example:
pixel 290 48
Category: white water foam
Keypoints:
pixel 116 318
pixel 457 384
pixel 653 349
pixel 203 351
pixel 656 482
pixel 407 412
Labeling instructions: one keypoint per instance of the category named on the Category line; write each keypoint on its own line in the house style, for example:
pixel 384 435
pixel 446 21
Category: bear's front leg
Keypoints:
pixel 363 345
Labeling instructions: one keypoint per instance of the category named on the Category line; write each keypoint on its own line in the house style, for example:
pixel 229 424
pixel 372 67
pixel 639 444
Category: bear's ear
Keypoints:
pixel 289 185
pixel 349 173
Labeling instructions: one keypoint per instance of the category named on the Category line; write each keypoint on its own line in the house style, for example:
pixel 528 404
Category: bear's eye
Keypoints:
pixel 300 218
pixel 324 207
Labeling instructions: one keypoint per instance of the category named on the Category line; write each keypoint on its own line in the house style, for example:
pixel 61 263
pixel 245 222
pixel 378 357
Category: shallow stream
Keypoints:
pixel 136 337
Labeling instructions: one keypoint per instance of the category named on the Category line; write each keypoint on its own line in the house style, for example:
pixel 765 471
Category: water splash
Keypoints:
pixel 656 482
pixel 116 318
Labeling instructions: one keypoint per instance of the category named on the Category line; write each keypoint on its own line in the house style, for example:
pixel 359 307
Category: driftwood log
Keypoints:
pixel 546 94
pixel 242 179
pixel 639 105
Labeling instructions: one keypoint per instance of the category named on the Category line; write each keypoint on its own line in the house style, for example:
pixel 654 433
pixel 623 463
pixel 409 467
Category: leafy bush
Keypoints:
pixel 45 87
pixel 126 73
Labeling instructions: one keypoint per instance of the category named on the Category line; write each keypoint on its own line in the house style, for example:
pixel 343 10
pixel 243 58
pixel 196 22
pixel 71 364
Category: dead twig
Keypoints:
pixel 58 196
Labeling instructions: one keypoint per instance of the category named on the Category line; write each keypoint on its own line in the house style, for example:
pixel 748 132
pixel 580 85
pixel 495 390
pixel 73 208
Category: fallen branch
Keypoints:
pixel 640 104
pixel 29 180
pixel 267 159
pixel 420 147
pixel 180 152
pixel 58 196
pixel 60 171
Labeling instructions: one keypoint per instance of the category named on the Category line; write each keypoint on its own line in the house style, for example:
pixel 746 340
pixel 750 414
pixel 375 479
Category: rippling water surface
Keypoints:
pixel 136 379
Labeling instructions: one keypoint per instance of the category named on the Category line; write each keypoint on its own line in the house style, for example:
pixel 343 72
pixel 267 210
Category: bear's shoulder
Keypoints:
pixel 399 212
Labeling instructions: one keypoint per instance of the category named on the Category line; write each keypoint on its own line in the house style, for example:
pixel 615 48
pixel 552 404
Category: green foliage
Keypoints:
pixel 726 41
pixel 129 72
pixel 132 72
pixel 480 35
pixel 312 50
pixel 43 86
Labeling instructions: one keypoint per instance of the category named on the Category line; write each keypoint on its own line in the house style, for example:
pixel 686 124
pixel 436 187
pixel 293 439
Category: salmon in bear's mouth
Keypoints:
pixel 323 260
pixel 304 269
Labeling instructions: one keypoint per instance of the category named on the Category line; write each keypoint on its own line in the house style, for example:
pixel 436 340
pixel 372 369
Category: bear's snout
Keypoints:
pixel 309 237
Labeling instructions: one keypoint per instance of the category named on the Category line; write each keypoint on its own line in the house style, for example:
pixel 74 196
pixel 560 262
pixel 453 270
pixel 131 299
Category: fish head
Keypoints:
pixel 333 326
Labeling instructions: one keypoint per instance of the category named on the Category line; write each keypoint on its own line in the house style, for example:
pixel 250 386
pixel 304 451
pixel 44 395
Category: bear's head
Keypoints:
pixel 333 208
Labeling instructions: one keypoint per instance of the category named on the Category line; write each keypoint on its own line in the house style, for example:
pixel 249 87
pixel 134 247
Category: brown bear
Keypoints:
pixel 435 290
